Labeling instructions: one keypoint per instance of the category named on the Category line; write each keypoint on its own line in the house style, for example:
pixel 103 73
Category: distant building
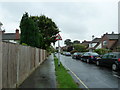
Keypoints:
pixel 11 37
pixel 86 43
pixel 95 43
pixel 109 41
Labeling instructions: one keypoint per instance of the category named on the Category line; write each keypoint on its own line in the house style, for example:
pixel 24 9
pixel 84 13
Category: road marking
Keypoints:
pixel 77 77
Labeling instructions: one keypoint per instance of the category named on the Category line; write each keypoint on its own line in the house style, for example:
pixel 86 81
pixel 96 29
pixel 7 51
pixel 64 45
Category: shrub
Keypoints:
pixel 24 44
pixel 102 51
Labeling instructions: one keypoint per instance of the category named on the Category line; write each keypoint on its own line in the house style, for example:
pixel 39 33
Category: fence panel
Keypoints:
pixel 4 65
pixel 18 62
pixel 12 66
pixel 37 57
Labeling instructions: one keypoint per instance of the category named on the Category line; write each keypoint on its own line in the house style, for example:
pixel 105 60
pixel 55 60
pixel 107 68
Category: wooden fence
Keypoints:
pixel 18 62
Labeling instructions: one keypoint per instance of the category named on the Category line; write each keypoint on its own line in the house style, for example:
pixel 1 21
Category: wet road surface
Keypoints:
pixel 91 75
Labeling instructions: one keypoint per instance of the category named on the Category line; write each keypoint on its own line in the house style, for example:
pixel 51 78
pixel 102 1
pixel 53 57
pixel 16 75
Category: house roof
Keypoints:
pixel 86 42
pixel 96 40
pixel 9 36
pixel 112 36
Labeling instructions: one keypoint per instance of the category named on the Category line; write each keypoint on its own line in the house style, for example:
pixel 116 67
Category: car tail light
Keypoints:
pixel 91 56
pixel 118 59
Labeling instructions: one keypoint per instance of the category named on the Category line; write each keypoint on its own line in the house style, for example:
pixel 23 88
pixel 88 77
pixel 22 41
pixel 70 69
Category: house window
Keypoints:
pixel 105 43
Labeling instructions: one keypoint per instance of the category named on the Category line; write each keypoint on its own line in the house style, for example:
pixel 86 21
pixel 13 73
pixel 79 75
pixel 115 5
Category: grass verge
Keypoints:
pixel 64 80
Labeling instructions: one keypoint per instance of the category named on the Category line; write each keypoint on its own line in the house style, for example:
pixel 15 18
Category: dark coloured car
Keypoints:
pixel 79 56
pixel 90 57
pixel 111 60
pixel 76 55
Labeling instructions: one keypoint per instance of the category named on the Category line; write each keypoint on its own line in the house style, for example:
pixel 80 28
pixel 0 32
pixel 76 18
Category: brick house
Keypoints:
pixel 109 41
pixel 11 37
pixel 118 43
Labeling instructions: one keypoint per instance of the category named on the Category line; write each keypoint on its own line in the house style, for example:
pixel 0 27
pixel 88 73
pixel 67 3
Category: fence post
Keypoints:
pixel 18 66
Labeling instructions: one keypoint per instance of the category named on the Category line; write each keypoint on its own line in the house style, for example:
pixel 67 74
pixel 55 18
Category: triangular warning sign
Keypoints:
pixel 58 37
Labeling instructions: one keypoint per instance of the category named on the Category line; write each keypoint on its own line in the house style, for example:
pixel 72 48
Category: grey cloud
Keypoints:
pixel 78 20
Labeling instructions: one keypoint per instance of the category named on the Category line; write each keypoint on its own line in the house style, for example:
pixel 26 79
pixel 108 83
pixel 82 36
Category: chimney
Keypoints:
pixel 17 34
pixel 106 32
pixel 3 31
pixel 112 32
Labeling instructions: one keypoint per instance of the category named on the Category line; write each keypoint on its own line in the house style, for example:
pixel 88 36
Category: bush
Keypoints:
pixel 79 47
pixel 24 44
pixel 102 51
pixel 73 51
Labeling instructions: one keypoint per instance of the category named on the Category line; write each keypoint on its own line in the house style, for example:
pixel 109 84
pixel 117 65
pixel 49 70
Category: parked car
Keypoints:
pixel 63 53
pixel 111 60
pixel 90 57
pixel 77 55
pixel 68 54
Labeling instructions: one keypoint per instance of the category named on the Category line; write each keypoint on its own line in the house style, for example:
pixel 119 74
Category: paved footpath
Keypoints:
pixel 43 76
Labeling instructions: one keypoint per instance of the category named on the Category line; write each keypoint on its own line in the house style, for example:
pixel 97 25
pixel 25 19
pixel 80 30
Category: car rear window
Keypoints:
pixel 79 53
pixel 118 55
pixel 75 53
pixel 94 54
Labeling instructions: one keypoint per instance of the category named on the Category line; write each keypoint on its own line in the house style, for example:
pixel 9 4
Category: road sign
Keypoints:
pixel 58 37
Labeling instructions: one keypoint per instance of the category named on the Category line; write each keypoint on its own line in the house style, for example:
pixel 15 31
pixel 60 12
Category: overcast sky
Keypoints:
pixel 76 20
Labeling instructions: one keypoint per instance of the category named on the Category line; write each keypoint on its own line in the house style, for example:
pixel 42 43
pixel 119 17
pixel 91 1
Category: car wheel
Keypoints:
pixel 114 67
pixel 98 63
pixel 88 61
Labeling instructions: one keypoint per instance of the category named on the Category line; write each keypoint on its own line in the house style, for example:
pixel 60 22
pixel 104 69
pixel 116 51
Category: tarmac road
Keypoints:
pixel 90 75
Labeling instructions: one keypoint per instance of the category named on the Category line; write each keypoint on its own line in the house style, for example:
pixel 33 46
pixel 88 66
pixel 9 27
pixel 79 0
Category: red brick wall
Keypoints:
pixel 104 38
pixel 110 43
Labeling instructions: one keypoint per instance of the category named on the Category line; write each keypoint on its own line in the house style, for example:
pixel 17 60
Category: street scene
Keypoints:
pixel 91 75
pixel 60 44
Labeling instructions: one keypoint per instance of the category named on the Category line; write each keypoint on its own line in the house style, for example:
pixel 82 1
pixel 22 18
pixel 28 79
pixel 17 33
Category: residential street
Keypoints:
pixel 91 75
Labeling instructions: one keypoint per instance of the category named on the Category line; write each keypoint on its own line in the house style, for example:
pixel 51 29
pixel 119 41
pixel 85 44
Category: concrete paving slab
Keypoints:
pixel 43 76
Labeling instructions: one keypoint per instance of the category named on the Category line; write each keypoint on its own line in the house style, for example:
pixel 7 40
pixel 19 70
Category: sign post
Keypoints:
pixel 58 38
pixel 58 52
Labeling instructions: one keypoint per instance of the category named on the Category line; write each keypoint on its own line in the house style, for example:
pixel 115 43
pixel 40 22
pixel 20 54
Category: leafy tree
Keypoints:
pixel 70 48
pixel 79 47
pixel 38 31
pixel 76 42
pixel 47 28
pixel 68 42
pixel 29 31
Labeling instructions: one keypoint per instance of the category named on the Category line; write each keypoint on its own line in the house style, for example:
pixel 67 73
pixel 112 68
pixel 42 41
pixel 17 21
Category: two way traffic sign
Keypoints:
pixel 58 37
